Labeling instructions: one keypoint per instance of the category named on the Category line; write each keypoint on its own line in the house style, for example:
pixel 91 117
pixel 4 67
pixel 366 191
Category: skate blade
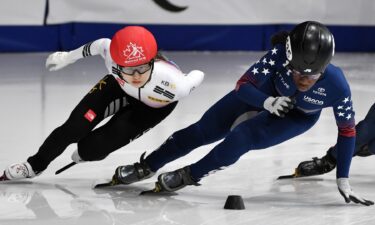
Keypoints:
pixel 4 178
pixel 158 191
pixel 108 184
pixel 296 174
pixel 286 177
pixel 65 168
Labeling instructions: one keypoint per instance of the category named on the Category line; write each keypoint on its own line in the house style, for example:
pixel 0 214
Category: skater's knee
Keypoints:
pixel 91 156
pixel 77 125
pixel 232 148
pixel 243 138
pixel 67 129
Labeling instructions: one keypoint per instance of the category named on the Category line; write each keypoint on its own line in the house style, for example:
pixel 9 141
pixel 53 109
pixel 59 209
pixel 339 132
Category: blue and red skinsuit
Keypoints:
pixel 365 134
pixel 267 77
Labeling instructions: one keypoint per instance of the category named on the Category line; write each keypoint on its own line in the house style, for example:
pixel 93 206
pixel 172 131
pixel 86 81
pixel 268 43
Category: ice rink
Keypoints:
pixel 34 101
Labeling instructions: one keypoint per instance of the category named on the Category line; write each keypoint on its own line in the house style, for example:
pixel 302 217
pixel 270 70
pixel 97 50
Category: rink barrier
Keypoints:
pixel 68 36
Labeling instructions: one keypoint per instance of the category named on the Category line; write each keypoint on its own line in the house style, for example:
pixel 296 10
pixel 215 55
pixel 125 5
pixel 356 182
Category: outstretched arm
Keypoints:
pixel 344 114
pixel 59 60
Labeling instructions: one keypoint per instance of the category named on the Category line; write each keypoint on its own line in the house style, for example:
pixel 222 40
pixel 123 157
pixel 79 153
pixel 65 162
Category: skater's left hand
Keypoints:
pixel 349 195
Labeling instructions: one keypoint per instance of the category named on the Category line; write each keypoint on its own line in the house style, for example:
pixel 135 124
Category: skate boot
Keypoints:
pixel 316 166
pixel 18 171
pixel 363 151
pixel 173 181
pixel 132 173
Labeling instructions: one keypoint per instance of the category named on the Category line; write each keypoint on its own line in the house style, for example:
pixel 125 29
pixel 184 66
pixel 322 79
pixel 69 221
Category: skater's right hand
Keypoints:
pixel 349 195
pixel 58 60
pixel 280 105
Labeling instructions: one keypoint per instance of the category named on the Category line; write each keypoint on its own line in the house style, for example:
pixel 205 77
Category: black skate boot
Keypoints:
pixel 132 173
pixel 173 181
pixel 316 166
pixel 313 167
pixel 363 151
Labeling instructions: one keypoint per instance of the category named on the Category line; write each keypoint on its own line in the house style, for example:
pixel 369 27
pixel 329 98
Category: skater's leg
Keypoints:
pixel 213 126
pixel 125 126
pixel 261 132
pixel 85 116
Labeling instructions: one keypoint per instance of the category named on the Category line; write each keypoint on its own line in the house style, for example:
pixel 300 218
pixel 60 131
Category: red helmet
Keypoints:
pixel 133 46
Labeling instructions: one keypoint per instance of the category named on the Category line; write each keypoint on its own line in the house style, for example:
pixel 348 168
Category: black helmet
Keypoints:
pixel 310 47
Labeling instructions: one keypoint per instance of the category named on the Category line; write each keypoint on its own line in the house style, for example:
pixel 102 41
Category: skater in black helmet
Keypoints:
pixel 289 86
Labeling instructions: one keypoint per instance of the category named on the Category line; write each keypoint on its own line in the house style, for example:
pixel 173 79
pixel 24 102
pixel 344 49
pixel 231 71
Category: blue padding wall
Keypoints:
pixel 29 38
pixel 172 37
